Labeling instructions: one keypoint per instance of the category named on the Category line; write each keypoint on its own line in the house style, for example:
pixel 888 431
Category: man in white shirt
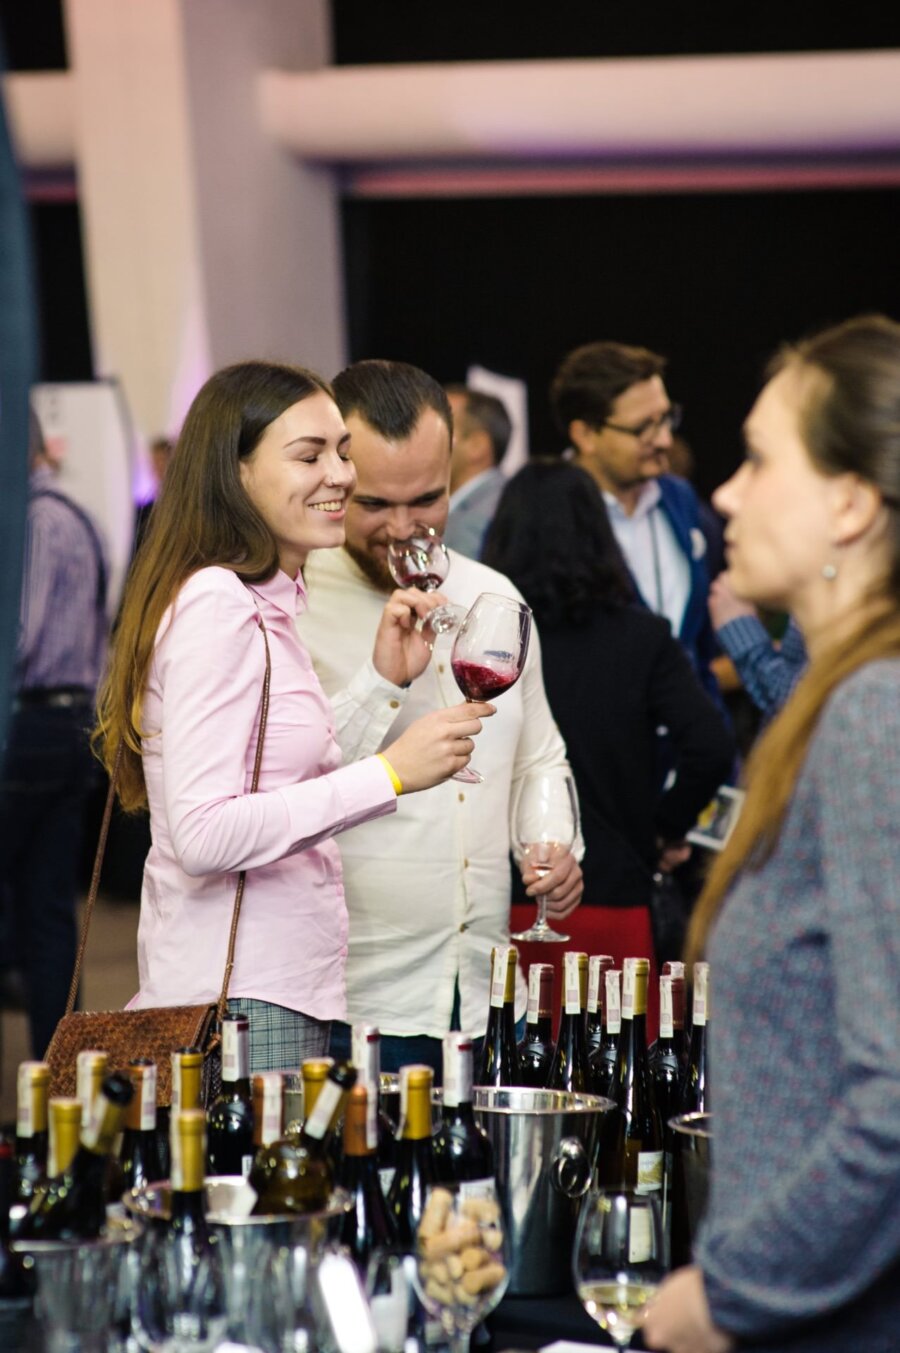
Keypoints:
pixel 611 402
pixel 428 893
pixel 481 433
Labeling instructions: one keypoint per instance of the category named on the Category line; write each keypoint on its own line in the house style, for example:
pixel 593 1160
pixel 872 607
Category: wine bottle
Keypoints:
pixel 192 1304
pixel 694 1087
pixel 74 1205
pixel 569 1068
pixel 602 1062
pixel 366 1057
pixel 499 1063
pixel 91 1065
pixel 32 1084
pixel 416 1168
pixel 368 1225
pixel 64 1116
pixel 665 1068
pixel 294 1175
pixel 463 1152
pixel 229 1122
pixel 187 1078
pixel 675 970
pixel 314 1071
pixel 17 1282
pixel 631 1153
pixel 536 1048
pixel 598 964
pixel 139 1156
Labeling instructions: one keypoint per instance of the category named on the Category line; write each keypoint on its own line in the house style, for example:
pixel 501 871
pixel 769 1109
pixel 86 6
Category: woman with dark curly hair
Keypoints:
pixel 614 676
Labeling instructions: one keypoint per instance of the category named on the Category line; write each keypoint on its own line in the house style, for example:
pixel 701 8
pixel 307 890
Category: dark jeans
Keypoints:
pixel 46 775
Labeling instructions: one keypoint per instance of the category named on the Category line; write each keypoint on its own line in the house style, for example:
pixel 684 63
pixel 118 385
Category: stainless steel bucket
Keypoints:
pixel 692 1162
pixel 545 1146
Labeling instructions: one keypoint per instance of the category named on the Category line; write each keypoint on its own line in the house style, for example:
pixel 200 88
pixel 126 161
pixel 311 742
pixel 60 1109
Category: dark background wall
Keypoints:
pixel 713 280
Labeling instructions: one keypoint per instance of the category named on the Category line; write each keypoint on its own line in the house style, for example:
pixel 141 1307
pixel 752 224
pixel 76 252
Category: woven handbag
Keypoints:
pixel 158 1031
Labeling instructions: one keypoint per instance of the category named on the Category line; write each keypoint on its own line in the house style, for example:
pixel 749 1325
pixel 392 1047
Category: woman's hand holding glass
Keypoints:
pixel 545 827
pixel 438 745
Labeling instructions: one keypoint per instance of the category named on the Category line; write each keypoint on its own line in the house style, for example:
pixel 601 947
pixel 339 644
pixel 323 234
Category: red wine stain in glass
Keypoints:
pixel 478 682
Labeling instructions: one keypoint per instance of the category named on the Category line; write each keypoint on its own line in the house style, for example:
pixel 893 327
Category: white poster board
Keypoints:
pixel 88 433
pixel 513 393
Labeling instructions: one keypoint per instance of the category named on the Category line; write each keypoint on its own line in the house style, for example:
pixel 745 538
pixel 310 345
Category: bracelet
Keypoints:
pixel 395 778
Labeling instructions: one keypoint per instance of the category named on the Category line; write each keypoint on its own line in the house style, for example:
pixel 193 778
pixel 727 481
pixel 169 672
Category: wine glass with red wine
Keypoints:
pixel 421 560
pixel 489 653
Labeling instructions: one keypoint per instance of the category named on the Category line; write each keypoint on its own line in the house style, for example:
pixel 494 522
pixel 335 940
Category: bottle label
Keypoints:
pixel 666 1024
pixel 478 1188
pixel 458 1074
pixel 639 1235
pixel 498 977
pixel 649 1172
pixel 613 1002
pixel 572 984
pixel 386 1178
pixel 366 1057
pixel 593 1000
pixel 235 1050
pixel 701 993
pixel 272 1107
pixel 533 1013
pixel 628 986
pixel 147 1091
pixel 319 1121
pixel 246 1165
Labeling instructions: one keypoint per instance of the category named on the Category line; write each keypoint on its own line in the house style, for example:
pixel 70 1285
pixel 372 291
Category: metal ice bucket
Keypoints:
pixel 256 1251
pixel 545 1147
pixel 692 1162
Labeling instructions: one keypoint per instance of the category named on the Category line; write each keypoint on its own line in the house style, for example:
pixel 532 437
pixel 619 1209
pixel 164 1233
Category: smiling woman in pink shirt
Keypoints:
pixel 261 475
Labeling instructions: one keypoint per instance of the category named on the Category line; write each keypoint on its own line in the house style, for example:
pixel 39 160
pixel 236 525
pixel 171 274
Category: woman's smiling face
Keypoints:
pixel 299 477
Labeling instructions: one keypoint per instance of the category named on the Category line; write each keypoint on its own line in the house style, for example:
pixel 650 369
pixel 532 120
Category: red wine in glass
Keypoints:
pixel 489 653
pixel 421 560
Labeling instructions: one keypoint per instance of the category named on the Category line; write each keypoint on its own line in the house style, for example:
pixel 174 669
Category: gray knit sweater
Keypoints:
pixel 800 1249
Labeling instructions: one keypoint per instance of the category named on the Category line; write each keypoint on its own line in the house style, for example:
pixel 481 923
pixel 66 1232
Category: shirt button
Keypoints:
pixel 462 798
pixel 464 927
pixel 440 667
pixel 394 704
pixel 465 864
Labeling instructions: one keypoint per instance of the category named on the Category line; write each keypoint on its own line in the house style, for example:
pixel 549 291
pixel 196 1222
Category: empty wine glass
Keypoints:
pixel 617 1259
pixel 421 560
pixel 545 826
pixel 462 1266
pixel 489 653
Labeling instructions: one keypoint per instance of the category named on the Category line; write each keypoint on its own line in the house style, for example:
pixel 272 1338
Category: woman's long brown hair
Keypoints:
pixel 851 423
pixel 202 517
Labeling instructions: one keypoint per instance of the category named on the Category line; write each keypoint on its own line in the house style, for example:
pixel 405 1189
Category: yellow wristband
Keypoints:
pixel 395 778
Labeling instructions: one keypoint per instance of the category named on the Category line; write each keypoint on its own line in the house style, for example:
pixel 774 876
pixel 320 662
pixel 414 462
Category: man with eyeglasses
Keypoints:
pixel 611 402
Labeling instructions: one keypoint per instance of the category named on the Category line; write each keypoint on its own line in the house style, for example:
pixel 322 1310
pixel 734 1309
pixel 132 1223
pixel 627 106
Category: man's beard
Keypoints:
pixel 375 570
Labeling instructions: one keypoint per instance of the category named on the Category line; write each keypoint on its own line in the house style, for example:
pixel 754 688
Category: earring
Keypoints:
pixel 829 572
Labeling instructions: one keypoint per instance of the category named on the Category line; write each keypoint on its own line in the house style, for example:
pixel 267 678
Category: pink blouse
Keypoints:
pixel 200 728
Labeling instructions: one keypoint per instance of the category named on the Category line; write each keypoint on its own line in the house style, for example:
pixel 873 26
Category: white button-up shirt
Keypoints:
pixel 428 892
pixel 657 562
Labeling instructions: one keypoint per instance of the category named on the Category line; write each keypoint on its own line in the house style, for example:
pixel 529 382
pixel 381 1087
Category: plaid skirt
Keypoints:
pixel 280 1038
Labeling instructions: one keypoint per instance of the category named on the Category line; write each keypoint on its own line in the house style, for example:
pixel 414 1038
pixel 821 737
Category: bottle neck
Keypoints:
pixel 236 1056
pixel 416 1123
pixel 540 1029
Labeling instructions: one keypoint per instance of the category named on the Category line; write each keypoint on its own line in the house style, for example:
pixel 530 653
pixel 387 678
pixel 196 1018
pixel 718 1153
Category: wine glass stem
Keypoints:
pixel 541 910
pixel 459 1341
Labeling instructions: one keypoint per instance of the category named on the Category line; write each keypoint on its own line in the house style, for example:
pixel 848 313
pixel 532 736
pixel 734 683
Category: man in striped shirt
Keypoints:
pixel 46 766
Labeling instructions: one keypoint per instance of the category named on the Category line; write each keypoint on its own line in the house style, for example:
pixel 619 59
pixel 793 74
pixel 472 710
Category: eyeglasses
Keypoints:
pixel 646 431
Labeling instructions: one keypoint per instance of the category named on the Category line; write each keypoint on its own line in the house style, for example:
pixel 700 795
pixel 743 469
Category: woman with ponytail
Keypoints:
pixel 800 917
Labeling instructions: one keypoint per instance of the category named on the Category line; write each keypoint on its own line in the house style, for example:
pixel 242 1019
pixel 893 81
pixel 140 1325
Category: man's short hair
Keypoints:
pixel 390 396
pixel 591 378
pixel 489 413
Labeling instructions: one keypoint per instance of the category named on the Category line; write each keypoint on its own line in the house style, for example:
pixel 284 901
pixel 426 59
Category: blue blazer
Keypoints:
pixel 682 507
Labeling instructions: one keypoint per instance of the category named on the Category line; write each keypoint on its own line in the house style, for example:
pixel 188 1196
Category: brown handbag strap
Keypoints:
pixel 104 833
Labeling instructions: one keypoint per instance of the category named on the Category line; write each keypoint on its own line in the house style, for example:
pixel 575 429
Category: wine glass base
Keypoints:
pixel 541 934
pixel 468 776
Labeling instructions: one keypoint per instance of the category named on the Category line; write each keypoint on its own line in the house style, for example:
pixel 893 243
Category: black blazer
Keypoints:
pixel 612 682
